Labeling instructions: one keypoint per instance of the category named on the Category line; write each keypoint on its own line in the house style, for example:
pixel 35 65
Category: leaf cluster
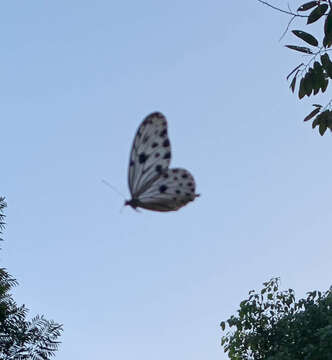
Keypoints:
pixel 2 216
pixel 314 76
pixel 20 338
pixel 271 325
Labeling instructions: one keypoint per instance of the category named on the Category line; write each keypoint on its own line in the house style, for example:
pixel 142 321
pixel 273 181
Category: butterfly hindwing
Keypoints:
pixel 172 190
pixel 150 154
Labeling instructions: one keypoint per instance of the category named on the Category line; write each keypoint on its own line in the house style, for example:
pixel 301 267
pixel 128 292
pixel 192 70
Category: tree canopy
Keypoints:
pixel 272 325
pixel 20 338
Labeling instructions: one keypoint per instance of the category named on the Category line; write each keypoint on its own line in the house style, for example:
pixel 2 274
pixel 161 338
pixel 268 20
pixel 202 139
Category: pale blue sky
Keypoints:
pixel 76 79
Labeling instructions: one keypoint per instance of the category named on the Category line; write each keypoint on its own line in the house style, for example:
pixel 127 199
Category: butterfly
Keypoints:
pixel 152 185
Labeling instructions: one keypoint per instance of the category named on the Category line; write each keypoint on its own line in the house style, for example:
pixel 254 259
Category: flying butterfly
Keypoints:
pixel 152 185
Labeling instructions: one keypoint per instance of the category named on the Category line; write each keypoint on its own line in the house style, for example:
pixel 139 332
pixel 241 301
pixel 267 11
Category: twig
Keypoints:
pixel 281 10
pixel 287 27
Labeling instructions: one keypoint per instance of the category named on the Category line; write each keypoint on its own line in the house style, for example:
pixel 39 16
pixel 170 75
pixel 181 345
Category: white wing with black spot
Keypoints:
pixel 172 190
pixel 150 154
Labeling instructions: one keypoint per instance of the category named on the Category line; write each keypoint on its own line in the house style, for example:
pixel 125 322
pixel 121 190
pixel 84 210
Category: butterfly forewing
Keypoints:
pixel 170 191
pixel 150 154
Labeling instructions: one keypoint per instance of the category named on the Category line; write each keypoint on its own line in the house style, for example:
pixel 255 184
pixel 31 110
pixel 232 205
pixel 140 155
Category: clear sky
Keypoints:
pixel 76 79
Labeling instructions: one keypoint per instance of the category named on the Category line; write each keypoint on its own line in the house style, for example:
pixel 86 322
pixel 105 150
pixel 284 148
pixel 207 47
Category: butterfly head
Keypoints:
pixel 133 203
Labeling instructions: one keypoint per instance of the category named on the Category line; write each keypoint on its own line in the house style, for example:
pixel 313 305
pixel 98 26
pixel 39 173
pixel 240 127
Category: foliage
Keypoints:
pixel 313 76
pixel 271 325
pixel 20 338
pixel 2 216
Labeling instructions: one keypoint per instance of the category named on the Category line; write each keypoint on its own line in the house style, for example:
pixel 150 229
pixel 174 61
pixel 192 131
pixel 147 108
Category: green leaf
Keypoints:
pixel 329 125
pixel 312 114
pixel 319 77
pixel 326 42
pixel 324 84
pixel 293 84
pixel 327 64
pixel 314 80
pixel 318 68
pixel 321 118
pixel 223 325
pixel 317 13
pixel 322 128
pixel 315 122
pixel 308 38
pixel 288 76
pixel 328 24
pixel 302 90
pixel 307 6
pixel 299 48
pixel 308 84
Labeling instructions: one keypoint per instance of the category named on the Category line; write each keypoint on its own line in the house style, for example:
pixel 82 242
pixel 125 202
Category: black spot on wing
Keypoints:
pixel 184 176
pixel 145 139
pixel 159 169
pixel 166 143
pixel 154 145
pixel 163 133
pixel 168 156
pixel 132 163
pixel 142 158
pixel 147 121
pixel 162 188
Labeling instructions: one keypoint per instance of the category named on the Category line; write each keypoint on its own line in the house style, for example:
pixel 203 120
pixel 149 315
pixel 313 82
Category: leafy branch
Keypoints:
pixel 2 216
pixel 314 76
pixel 271 324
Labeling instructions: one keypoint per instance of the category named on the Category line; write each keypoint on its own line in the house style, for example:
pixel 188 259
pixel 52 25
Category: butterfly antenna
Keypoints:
pixel 113 188
pixel 120 211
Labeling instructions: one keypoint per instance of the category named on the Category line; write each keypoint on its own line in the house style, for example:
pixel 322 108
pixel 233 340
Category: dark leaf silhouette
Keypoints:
pixel 312 114
pixel 308 38
pixel 317 13
pixel 307 6
pixel 299 48
pixel 293 84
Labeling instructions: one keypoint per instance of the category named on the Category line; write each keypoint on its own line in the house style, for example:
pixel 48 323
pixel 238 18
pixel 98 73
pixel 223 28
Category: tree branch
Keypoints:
pixel 281 10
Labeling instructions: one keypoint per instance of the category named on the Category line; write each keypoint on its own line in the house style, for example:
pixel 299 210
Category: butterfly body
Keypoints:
pixel 153 186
